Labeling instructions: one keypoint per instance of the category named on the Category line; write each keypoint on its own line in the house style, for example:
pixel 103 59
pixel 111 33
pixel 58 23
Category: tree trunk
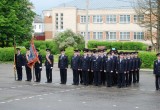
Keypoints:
pixel 158 27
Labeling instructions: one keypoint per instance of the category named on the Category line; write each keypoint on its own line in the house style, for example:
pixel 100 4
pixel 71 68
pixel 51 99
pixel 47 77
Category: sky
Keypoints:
pixel 41 5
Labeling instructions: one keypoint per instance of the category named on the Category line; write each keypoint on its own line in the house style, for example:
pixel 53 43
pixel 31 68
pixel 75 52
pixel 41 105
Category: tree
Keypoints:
pixel 69 39
pixel 150 9
pixel 16 18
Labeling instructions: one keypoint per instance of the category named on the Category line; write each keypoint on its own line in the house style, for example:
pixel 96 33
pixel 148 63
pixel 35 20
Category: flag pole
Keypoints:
pixel 14 59
pixel 33 72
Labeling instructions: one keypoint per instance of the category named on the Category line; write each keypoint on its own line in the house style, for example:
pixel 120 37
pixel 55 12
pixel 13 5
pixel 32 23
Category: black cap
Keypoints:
pixel 75 50
pixel 18 49
pixel 85 50
pixel 158 54
pixel 62 50
pixel 101 50
pixel 121 53
pixel 136 52
pixel 48 50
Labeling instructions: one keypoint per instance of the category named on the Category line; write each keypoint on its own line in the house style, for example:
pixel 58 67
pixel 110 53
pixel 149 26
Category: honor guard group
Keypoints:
pixel 94 67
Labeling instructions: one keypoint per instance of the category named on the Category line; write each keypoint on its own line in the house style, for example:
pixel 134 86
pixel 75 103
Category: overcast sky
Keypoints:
pixel 41 5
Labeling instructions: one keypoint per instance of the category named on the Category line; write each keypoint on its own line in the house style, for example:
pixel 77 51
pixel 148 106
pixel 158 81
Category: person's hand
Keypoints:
pixel 111 71
pixel 51 67
pixel 40 67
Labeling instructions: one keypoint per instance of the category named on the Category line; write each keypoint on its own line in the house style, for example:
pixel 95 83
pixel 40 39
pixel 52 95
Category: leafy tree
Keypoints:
pixel 16 18
pixel 69 39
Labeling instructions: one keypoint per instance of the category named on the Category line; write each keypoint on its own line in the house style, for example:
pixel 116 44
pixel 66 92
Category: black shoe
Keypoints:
pixel 18 80
pixel 47 82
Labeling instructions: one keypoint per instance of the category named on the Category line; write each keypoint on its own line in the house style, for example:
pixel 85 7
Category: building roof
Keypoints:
pixel 38 19
pixel 99 4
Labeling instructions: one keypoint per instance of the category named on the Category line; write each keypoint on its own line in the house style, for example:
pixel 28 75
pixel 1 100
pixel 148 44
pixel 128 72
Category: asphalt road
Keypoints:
pixel 40 96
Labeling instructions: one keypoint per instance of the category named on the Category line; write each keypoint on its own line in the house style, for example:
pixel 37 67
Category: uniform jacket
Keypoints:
pixel 121 66
pixel 85 63
pixel 108 65
pixel 156 68
pixel 38 65
pixel 19 60
pixel 63 62
pixel 75 62
pixel 97 64
pixel 47 64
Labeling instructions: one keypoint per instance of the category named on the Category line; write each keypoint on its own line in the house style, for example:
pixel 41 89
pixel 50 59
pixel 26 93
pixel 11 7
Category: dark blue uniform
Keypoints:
pixel 132 66
pixel 28 70
pixel 49 67
pixel 63 65
pixel 121 69
pixel 109 67
pixel 96 66
pixel 85 66
pixel 156 71
pixel 137 68
pixel 128 70
pixel 19 63
pixel 114 70
pixel 90 72
pixel 75 65
pixel 38 68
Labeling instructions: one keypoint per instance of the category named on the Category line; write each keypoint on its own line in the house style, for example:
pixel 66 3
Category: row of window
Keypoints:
pixel 59 22
pixel 113 35
pixel 112 19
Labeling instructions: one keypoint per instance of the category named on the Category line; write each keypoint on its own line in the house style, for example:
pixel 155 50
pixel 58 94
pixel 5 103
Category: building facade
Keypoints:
pixel 116 24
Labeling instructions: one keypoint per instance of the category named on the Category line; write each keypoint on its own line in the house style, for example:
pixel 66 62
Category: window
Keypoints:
pixel 124 35
pixel 61 14
pixel 39 26
pixel 98 35
pixel 84 34
pixel 124 18
pixel 111 35
pixel 138 18
pixel 56 14
pixel 34 26
pixel 111 19
pixel 83 19
pixel 97 19
pixel 61 27
pixel 138 35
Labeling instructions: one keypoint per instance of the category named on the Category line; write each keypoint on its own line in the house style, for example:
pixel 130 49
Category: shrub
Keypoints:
pixel 69 52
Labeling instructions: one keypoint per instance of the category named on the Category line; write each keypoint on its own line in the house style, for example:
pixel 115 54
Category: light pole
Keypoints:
pixel 86 35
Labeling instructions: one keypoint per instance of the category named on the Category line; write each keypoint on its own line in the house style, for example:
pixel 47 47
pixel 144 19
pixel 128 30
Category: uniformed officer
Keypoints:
pixel 38 67
pixel 108 69
pixel 80 69
pixel 121 70
pixel 85 66
pixel 138 63
pixel 90 74
pixel 75 65
pixel 28 69
pixel 63 65
pixel 131 74
pixel 103 76
pixel 96 67
pixel 156 71
pixel 128 70
pixel 49 65
pixel 19 61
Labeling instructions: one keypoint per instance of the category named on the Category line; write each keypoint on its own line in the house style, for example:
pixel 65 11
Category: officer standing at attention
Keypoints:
pixel 19 61
pixel 75 67
pixel 49 65
pixel 28 69
pixel 96 67
pixel 121 70
pixel 63 65
pixel 38 67
pixel 156 71
pixel 85 66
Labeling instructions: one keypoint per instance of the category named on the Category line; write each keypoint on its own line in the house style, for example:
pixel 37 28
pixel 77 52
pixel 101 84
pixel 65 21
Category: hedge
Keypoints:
pixel 6 54
pixel 118 45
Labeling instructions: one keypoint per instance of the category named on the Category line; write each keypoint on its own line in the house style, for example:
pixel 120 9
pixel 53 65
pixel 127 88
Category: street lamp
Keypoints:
pixel 86 36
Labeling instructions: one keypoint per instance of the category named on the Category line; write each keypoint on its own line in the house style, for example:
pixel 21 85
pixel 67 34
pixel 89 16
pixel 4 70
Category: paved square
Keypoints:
pixel 41 96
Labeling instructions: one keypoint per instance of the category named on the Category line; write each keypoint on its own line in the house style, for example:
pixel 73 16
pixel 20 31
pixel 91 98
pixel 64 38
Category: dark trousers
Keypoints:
pixel 109 78
pixel 157 81
pixel 115 78
pixel 134 77
pixel 85 77
pixel 121 79
pixel 90 77
pixel 49 74
pixel 38 74
pixel 63 75
pixel 19 73
pixel 80 76
pixel 130 77
pixel 75 77
pixel 28 73
pixel 97 78
pixel 103 77
pixel 137 76
pixel 127 78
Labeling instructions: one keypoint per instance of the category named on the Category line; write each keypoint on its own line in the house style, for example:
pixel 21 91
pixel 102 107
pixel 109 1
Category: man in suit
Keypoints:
pixel 96 67
pixel 156 71
pixel 19 61
pixel 103 76
pixel 90 55
pixel 121 70
pixel 38 67
pixel 85 66
pixel 132 69
pixel 108 70
pixel 75 65
pixel 49 65
pixel 63 65
pixel 80 69
pixel 28 69
pixel 138 63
